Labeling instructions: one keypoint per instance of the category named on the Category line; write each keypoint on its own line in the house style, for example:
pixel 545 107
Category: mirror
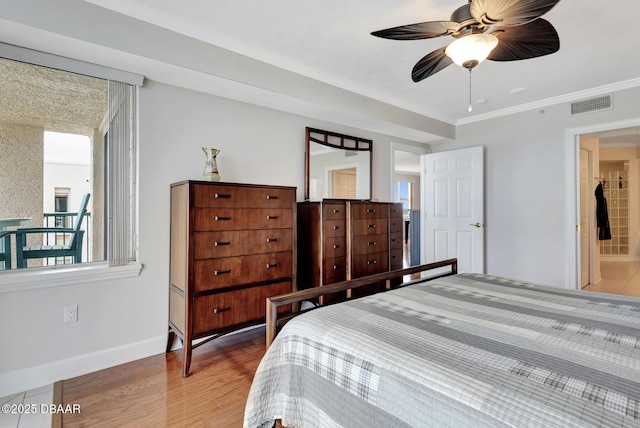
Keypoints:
pixel 337 166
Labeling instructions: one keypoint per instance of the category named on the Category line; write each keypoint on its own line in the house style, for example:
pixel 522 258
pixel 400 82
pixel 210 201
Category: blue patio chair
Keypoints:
pixel 5 254
pixel 72 249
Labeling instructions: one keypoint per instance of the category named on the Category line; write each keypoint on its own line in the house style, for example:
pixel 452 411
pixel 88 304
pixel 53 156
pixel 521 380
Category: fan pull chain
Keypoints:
pixel 470 106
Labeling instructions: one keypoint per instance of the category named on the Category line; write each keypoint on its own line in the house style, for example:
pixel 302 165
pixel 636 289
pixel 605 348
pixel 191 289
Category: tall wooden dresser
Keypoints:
pixel 340 240
pixel 232 246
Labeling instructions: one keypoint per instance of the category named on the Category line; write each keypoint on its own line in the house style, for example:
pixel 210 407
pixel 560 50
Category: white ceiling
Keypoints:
pixel 318 59
pixel 330 41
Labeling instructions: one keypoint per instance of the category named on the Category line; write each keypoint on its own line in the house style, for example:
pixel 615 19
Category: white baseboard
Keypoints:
pixel 25 379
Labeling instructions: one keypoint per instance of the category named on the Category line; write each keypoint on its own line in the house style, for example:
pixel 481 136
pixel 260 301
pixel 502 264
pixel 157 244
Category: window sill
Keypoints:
pixel 35 278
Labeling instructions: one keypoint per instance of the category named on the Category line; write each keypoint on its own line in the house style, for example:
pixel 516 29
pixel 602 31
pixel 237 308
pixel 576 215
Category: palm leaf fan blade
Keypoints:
pixel 532 40
pixel 509 13
pixel 430 65
pixel 423 30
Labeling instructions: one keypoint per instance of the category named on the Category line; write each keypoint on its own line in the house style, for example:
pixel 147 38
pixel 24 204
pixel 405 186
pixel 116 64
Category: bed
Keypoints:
pixel 466 350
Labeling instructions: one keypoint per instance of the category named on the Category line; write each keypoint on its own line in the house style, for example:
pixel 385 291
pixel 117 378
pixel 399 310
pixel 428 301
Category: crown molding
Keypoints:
pixel 574 96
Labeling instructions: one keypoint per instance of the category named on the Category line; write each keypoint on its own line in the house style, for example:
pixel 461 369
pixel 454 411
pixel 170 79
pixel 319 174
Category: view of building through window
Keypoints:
pixel 66 179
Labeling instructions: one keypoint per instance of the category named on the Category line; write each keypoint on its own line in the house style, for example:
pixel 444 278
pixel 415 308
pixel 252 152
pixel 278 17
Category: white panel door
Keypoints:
pixel 453 207
pixel 585 196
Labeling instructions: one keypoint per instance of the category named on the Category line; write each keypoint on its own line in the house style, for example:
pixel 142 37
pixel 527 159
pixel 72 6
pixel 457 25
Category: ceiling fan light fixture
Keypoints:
pixel 471 50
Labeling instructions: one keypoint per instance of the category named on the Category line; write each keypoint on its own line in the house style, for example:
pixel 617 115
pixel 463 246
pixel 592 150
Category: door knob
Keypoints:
pixel 474 224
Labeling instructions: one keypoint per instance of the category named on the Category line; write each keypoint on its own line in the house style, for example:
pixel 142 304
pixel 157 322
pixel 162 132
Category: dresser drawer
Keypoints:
pixel 395 224
pixel 217 219
pixel 370 244
pixel 267 218
pixel 369 226
pixel 335 247
pixel 217 196
pixel 269 197
pixel 210 219
pixel 368 210
pixel 212 274
pixel 395 210
pixel 368 264
pixel 395 240
pixel 231 243
pixel 221 310
pixel 334 270
pixel 237 196
pixel 334 228
pixel 334 211
pixel 395 259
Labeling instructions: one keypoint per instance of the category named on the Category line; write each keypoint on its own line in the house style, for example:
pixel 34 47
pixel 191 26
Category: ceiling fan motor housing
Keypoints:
pixel 467 24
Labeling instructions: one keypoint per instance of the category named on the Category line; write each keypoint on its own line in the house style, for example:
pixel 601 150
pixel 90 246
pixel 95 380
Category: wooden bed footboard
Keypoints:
pixel 296 297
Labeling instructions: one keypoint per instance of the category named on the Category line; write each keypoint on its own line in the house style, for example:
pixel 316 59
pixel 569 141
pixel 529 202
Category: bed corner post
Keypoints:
pixel 272 321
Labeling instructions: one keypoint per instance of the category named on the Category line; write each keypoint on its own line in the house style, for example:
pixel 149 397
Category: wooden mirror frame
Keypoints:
pixel 344 142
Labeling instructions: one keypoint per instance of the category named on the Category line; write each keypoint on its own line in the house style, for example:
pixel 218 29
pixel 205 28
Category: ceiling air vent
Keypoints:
pixel 592 104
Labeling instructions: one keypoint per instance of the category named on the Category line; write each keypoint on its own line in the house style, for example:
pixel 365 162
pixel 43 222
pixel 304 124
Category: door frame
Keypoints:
pixel 572 192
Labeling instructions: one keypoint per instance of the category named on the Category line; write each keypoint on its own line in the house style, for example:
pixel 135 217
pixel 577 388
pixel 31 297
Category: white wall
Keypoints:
pixel 525 211
pixel 126 319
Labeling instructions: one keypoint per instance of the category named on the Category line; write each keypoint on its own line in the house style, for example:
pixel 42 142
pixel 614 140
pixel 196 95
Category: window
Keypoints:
pixel 61 206
pixel 403 195
pixel 43 103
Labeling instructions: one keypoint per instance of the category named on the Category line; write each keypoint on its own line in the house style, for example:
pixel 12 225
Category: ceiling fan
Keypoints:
pixel 499 30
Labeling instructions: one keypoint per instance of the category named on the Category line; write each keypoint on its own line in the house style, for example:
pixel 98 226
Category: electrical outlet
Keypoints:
pixel 71 313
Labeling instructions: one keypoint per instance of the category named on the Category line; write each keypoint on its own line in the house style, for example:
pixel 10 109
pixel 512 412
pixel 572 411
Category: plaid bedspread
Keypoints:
pixel 462 351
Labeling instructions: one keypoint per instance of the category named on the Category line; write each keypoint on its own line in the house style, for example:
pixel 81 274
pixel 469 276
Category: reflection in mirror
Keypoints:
pixel 337 166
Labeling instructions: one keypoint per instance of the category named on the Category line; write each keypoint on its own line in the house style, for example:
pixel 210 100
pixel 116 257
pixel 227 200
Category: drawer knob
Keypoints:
pixel 372 262
pixel 371 243
pixel 371 210
pixel 273 197
pixel 273 217
pixel 219 218
pixel 394 257
pixel 393 239
pixel 371 226
pixel 218 310
pixel 336 227
pixel 273 240
pixel 335 267
pixel 221 196
pixel 271 265
pixel 335 246
pixel 220 272
pixel 336 211
pixel 218 243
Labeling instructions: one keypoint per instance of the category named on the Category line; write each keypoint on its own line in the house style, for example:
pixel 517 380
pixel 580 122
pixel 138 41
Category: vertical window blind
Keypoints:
pixel 121 179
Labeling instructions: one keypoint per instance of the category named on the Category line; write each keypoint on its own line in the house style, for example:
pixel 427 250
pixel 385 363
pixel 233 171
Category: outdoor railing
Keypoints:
pixel 66 220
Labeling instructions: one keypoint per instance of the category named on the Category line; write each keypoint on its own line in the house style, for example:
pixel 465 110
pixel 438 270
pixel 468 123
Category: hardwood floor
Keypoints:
pixel 152 392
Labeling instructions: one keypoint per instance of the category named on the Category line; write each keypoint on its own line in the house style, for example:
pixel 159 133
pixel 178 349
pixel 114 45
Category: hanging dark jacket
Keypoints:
pixel 602 214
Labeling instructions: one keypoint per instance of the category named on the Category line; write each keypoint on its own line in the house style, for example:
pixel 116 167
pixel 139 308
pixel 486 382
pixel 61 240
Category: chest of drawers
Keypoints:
pixel 232 246
pixel 340 240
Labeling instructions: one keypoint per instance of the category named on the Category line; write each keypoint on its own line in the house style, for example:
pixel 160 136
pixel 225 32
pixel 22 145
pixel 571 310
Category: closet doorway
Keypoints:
pixel 610 161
